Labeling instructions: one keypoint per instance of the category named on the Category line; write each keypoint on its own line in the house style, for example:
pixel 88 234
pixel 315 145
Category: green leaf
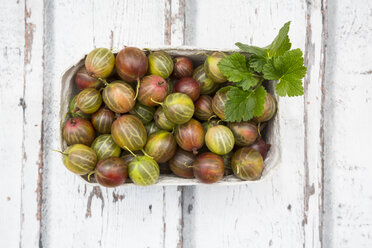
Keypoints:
pixel 251 49
pixel 244 105
pixel 260 56
pixel 281 43
pixel 257 63
pixel 234 67
pixel 289 69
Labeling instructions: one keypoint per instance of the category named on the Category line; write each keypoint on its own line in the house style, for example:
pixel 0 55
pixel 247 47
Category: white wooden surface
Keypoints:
pixel 321 195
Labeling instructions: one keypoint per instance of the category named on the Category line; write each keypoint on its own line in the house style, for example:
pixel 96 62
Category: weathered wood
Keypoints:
pixel 12 112
pixel 21 110
pixel 316 37
pixel 348 119
pixel 94 216
pixel 269 213
pixel 323 133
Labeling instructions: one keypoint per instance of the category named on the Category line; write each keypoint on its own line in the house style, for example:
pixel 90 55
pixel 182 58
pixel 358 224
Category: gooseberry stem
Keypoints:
pixel 259 129
pixel 160 103
pixel 137 88
pixel 105 83
pixel 213 116
pixel 90 173
pixel 63 153
pixel 126 148
pixel 146 154
pixel 218 122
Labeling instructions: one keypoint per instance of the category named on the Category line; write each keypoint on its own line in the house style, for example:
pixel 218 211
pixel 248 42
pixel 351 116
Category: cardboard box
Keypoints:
pixel 272 135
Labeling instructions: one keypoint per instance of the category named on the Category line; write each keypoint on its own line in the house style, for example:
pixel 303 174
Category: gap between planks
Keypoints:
pixel 32 103
pixel 174 35
pixel 314 185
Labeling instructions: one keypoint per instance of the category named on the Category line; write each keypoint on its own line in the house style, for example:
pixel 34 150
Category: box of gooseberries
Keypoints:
pixel 177 116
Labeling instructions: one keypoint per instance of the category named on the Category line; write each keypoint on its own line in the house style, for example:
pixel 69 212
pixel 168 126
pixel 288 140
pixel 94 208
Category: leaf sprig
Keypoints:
pixel 246 98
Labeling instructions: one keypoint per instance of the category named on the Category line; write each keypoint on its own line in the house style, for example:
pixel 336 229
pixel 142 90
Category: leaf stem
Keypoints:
pixel 259 83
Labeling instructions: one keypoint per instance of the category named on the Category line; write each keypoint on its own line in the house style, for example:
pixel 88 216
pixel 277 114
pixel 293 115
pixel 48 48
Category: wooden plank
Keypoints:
pixel 347 136
pixel 269 213
pixel 32 168
pixel 21 111
pixel 12 112
pixel 94 216
pixel 316 28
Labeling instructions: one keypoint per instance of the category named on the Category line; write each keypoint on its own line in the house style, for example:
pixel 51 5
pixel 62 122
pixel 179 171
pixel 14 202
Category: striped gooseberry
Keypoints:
pixel 111 172
pixel 188 86
pixel 119 97
pixel 178 108
pixel 153 88
pixel 105 147
pixel 78 131
pixel 74 110
pixel 83 80
pixel 100 62
pixel 182 67
pixel 247 164
pixel 211 67
pixel 79 159
pixel 143 112
pixel 190 136
pixel 129 133
pixel 208 167
pixel 160 63
pixel 245 133
pixel 161 146
pixel 131 64
pixel 219 102
pixel 143 170
pixel 181 163
pixel 162 121
pixel 207 85
pixel 89 100
pixel 219 139
pixel 203 108
pixel 102 120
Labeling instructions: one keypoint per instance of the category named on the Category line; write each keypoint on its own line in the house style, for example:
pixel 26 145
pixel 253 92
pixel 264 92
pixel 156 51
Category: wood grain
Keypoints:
pixel 269 213
pixel 348 104
pixel 320 195
pixel 315 57
pixel 12 112
pixel 21 111
pixel 94 216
